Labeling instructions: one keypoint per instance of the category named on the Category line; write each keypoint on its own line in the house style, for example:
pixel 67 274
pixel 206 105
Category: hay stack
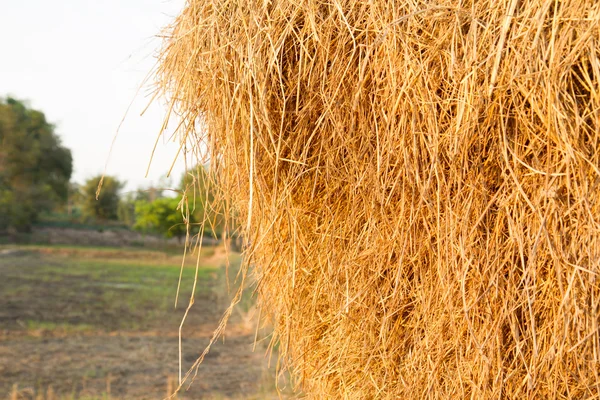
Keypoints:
pixel 418 183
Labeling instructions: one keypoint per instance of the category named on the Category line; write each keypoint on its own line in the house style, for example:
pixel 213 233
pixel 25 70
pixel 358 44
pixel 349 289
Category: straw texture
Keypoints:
pixel 417 181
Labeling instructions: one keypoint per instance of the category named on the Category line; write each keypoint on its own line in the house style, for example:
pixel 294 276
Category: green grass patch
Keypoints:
pixel 72 290
pixel 65 328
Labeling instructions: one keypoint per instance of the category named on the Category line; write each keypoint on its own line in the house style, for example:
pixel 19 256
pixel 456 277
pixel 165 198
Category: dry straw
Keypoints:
pixel 418 183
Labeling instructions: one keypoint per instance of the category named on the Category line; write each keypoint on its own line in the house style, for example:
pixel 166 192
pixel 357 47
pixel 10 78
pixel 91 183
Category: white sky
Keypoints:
pixel 81 62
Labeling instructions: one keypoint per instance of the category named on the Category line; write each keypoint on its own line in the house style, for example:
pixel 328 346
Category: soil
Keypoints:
pixel 90 351
pixel 107 237
pixel 131 366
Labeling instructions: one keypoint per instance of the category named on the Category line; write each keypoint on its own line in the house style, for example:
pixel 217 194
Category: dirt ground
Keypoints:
pixel 100 323
pixel 107 237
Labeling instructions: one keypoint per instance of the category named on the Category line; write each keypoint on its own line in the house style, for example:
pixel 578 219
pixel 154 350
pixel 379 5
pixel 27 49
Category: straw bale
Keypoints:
pixel 417 181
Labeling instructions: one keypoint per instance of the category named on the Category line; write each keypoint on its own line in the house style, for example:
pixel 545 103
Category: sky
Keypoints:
pixel 81 62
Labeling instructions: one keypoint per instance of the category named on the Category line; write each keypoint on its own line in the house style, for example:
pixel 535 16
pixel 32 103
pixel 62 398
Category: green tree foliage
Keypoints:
pixel 105 206
pixel 160 216
pixel 164 215
pixel 203 201
pixel 126 209
pixel 34 166
pixel 75 200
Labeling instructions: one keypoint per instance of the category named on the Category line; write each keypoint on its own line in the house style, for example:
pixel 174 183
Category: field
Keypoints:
pixel 99 323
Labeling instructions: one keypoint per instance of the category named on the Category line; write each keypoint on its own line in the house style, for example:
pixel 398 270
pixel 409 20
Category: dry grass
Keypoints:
pixel 417 181
pixel 48 394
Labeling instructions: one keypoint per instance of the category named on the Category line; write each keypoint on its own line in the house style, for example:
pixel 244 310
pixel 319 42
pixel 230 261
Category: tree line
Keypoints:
pixel 150 210
pixel 35 180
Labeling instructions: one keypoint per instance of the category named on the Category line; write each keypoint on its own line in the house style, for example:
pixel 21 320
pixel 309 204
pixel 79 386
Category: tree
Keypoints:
pixel 161 217
pixel 204 204
pixel 126 210
pixel 74 200
pixel 104 205
pixel 34 166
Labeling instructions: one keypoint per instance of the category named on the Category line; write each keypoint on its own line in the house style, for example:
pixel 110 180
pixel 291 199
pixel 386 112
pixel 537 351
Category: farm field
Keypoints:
pixel 100 323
